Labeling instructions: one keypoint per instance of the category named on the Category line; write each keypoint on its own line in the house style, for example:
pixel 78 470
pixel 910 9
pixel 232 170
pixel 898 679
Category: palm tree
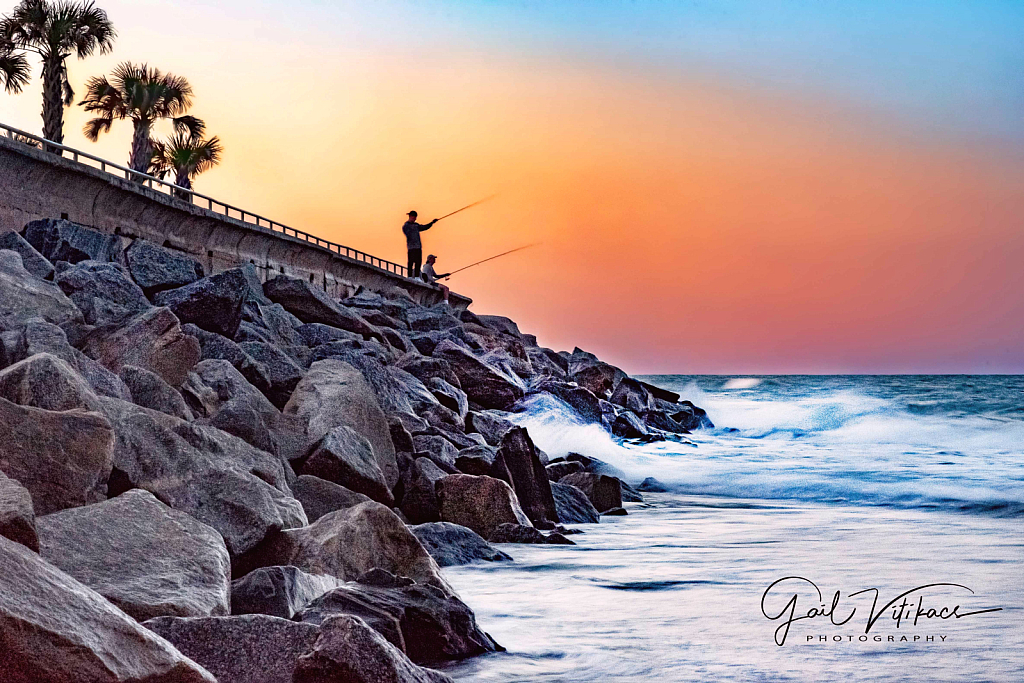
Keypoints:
pixel 14 71
pixel 145 96
pixel 55 30
pixel 184 156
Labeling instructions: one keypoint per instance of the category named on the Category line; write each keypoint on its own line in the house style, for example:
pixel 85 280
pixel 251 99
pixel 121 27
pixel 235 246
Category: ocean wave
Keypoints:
pixel 835 446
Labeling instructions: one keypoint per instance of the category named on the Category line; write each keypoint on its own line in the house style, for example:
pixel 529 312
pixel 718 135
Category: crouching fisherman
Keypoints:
pixel 431 277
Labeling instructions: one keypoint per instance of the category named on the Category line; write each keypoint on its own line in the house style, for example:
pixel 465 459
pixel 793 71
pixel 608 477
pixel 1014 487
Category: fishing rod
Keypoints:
pixel 490 258
pixel 468 206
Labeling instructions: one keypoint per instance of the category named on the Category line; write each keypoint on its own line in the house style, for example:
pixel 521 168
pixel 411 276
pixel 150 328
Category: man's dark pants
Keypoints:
pixel 415 262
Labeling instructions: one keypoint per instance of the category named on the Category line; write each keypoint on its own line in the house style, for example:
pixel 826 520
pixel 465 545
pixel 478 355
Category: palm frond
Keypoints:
pixel 14 70
pixel 94 127
pixel 192 126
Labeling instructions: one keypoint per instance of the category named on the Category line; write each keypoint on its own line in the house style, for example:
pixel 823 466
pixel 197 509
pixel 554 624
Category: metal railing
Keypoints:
pixel 195 198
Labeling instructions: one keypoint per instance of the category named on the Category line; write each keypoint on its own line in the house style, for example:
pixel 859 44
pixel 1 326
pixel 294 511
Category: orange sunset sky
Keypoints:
pixel 716 187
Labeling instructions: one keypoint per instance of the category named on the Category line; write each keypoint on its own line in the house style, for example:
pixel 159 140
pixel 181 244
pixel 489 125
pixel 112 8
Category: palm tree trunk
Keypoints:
pixel 142 149
pixel 53 99
pixel 182 180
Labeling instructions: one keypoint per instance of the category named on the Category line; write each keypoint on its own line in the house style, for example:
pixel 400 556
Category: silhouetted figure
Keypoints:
pixel 431 277
pixel 412 231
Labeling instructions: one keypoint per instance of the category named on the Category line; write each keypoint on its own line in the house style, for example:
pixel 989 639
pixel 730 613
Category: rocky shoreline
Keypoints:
pixel 212 478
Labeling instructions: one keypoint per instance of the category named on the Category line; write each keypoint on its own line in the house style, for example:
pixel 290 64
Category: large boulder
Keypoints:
pixel 451 544
pixel 581 400
pixel 425 368
pixel 38 336
pixel 603 491
pixel 347 650
pixel 312 305
pixel 63 240
pixel 219 479
pixel 439 449
pixel 528 477
pixel 344 457
pixel 104 292
pixel 149 390
pixel 349 542
pixel 144 557
pixel 316 334
pixel 632 395
pixel 213 303
pixel 480 503
pixel 17 518
pixel 63 458
pixel 434 626
pixel 23 296
pixel 34 262
pixel 333 394
pixel 320 497
pixel 573 506
pixel 480 460
pixel 484 384
pixel 152 340
pixel 449 396
pixel 419 500
pixel 57 630
pixel 282 371
pixel 517 533
pixel 278 591
pixel 251 648
pixel 157 268
pixel 45 381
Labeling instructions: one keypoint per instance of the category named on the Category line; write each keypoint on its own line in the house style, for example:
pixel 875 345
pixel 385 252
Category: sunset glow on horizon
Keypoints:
pixel 706 197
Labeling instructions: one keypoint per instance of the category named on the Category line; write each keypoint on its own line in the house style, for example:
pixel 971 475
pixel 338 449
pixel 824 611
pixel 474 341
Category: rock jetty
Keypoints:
pixel 209 478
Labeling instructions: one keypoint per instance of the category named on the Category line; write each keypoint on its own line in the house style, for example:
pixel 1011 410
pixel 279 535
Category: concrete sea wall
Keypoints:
pixel 35 184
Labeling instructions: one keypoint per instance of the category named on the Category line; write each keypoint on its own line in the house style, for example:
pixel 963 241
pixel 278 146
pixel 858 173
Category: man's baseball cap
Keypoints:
pixel 412 213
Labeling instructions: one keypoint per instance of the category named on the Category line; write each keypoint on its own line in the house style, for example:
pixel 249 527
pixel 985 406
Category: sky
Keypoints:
pixel 713 187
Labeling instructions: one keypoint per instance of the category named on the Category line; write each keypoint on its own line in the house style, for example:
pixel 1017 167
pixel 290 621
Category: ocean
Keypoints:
pixel 881 484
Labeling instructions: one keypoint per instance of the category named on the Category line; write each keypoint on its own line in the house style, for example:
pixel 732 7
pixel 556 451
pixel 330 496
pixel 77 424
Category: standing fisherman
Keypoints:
pixel 412 231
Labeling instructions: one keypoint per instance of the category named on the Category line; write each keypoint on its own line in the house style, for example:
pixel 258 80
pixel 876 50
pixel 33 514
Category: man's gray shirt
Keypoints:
pixel 412 231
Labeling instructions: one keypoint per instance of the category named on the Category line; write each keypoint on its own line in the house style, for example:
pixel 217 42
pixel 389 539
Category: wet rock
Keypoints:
pixel 333 394
pixel 346 458
pixel 603 491
pixel 144 557
pixel 311 305
pixel 278 591
pixel 56 630
pixel 217 478
pixel 152 340
pixel 451 545
pixel 63 458
pixel 632 395
pixel 629 426
pixel 104 292
pixel 157 268
pixel 572 505
pixel 557 470
pixel 652 485
pixel 149 390
pixel 213 303
pixel 616 512
pixel 480 503
pixel 34 262
pixel 544 364
pixel 517 533
pixel 62 240
pixel 45 381
pixel 630 494
pixel 433 626
pixel 282 372
pixel 347 650
pixel 251 648
pixel 489 425
pixel 24 296
pixel 349 542
pixel 320 497
pixel 582 400
pixel 483 383
pixel 17 519
pixel 419 502
pixel 529 479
